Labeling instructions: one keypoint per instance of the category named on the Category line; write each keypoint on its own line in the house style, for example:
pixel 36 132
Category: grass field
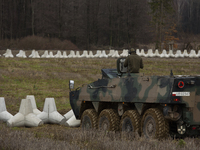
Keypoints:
pixel 49 78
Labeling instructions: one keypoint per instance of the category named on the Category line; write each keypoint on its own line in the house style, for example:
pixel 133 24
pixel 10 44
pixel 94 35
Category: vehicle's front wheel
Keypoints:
pixel 89 119
pixel 154 124
pixel 108 120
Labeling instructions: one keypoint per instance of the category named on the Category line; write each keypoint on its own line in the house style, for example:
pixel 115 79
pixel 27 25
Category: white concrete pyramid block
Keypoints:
pixel 78 54
pixel 192 54
pixel 59 54
pixel 142 54
pixel 124 53
pixel 4 115
pixel 85 54
pixel 164 54
pixel 21 54
pixel 25 116
pixel 36 55
pixel 50 114
pixel 178 54
pixel 112 51
pixel 198 54
pixel 33 103
pixel 116 54
pixel 73 122
pixel 69 114
pixel 51 54
pixel 171 53
pixel 138 52
pixel 32 54
pixel 65 54
pixel 90 55
pixel 185 53
pixel 156 54
pixel 103 54
pixel 8 54
pixel 45 55
pixel 72 54
pixel 150 53
pixel 98 53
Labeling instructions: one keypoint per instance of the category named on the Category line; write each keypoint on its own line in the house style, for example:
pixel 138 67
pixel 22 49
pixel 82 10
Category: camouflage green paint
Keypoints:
pixel 138 90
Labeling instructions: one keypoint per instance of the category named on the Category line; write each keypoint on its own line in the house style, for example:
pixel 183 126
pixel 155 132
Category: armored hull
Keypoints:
pixel 150 105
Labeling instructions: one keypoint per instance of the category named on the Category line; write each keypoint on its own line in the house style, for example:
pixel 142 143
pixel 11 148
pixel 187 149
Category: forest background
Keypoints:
pixel 99 24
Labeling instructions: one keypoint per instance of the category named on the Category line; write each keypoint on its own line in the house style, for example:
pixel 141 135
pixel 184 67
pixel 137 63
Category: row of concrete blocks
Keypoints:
pixel 72 54
pixel 30 116
pixel 102 54
pixel 164 54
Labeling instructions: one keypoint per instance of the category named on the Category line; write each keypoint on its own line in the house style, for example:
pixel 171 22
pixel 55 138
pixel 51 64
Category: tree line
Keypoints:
pixel 88 23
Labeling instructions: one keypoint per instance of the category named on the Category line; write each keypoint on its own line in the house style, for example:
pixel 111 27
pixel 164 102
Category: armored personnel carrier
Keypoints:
pixel 154 106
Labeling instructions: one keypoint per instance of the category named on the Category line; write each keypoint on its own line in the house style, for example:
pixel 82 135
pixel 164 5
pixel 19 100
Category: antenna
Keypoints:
pixel 171 73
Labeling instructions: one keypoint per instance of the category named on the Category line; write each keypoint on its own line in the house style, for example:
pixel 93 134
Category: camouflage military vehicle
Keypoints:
pixel 153 106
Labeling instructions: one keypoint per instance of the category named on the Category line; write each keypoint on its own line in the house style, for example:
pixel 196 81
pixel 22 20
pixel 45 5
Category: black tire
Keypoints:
pixel 154 125
pixel 89 119
pixel 131 122
pixel 108 120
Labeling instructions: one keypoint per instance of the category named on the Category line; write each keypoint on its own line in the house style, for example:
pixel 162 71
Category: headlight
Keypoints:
pixel 71 84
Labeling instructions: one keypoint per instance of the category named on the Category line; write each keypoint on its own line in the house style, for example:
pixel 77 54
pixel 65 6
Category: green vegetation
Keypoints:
pixel 49 78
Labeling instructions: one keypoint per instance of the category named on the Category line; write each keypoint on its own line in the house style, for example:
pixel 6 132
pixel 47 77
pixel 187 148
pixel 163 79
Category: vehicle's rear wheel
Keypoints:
pixel 130 122
pixel 89 119
pixel 108 120
pixel 154 124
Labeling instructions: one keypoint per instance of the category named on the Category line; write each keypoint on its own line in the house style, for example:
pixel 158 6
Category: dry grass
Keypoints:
pixel 49 78
pixel 57 137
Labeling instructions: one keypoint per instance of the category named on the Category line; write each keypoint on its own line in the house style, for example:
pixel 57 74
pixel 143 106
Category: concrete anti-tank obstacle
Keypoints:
pixel 8 54
pixel 164 54
pixel 65 54
pixel 51 54
pixel 116 54
pixel 138 52
pixel 71 119
pixel 32 54
pixel 156 54
pixel 90 55
pixel 25 116
pixel 4 114
pixel 36 55
pixel 112 51
pixel 85 54
pixel 69 114
pixel 192 54
pixel 21 54
pixel 142 54
pixel 71 54
pixel 198 54
pixel 185 53
pixel 103 54
pixel 178 54
pixel 150 53
pixel 98 53
pixel 78 54
pixel 50 114
pixel 45 55
pixel 124 53
pixel 73 122
pixel 171 54
pixel 33 103
pixel 58 55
